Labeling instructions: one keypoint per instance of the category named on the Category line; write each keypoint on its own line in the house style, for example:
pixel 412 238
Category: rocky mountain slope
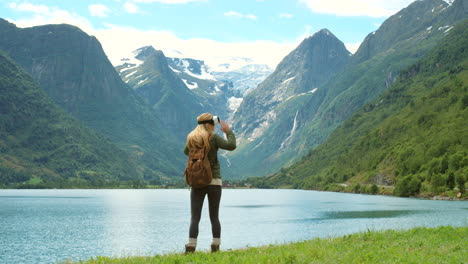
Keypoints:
pixel 414 136
pixel 190 81
pixel 276 138
pixel 41 146
pixel 267 118
pixel 75 72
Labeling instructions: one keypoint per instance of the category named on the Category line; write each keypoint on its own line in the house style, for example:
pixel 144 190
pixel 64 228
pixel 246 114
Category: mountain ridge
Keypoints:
pixel 412 137
pixel 356 84
pixel 73 69
pixel 41 146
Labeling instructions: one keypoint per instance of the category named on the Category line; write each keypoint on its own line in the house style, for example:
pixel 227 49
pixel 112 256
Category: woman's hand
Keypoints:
pixel 224 126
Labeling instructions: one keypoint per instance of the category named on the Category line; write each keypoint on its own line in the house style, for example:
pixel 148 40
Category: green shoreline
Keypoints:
pixel 446 196
pixel 419 245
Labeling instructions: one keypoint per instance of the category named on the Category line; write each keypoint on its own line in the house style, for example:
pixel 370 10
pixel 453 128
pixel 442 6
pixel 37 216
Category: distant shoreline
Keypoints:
pixel 423 197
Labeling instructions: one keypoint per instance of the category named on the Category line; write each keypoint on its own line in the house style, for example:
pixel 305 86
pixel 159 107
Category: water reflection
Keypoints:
pixel 126 219
pixel 253 206
pixel 146 222
pixel 369 214
pixel 43 197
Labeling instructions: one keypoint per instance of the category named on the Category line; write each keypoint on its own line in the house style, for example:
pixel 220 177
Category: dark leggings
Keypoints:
pixel 197 196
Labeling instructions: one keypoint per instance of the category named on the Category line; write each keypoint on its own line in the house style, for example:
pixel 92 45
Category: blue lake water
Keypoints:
pixel 47 226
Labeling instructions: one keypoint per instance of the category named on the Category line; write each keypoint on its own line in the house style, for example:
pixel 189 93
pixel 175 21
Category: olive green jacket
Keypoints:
pixel 217 142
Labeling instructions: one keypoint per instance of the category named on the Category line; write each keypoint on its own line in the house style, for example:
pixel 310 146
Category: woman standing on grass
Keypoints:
pixel 203 136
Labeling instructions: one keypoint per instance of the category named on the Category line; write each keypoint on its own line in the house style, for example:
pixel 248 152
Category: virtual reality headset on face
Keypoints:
pixel 213 121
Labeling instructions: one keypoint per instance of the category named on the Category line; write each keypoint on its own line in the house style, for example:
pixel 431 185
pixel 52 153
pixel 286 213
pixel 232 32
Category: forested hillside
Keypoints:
pixel 289 130
pixel 73 69
pixel 41 146
pixel 415 136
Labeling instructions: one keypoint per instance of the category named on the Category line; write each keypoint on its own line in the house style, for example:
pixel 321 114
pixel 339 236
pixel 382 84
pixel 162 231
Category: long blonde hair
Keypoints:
pixel 200 137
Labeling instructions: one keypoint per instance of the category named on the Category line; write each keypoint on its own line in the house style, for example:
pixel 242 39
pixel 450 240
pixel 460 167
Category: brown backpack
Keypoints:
pixel 198 172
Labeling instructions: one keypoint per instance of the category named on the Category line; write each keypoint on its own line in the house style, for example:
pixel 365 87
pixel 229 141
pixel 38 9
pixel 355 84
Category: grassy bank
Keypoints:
pixel 420 245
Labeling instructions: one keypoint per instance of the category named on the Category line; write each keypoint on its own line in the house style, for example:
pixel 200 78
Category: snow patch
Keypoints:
pixel 142 81
pixel 301 94
pixel 190 86
pixel 173 53
pixel 429 28
pixel 128 68
pixel 258 144
pixel 132 60
pixel 130 74
pixel 449 2
pixel 185 64
pixel 258 131
pixel 234 103
pixel 443 28
pixel 174 70
pixel 204 74
pixel 288 80
pixel 446 31
pixel 138 77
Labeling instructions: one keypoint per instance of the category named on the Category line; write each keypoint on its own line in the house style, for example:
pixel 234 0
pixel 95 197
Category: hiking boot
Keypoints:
pixel 189 249
pixel 214 248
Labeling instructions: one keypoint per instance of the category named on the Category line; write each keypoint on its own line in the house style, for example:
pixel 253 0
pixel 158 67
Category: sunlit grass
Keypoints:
pixel 420 245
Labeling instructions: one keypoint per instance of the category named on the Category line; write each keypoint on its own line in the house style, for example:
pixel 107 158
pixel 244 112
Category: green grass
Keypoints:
pixel 420 245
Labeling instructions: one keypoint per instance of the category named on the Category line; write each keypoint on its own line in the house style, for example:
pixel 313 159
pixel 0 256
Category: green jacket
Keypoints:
pixel 217 142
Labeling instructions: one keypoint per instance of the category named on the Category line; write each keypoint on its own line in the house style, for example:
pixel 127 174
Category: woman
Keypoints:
pixel 204 136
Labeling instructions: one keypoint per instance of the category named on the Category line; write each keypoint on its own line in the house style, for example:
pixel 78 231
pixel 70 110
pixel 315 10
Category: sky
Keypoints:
pixel 263 30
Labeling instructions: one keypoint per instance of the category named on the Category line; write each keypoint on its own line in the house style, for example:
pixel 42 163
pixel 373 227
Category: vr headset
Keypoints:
pixel 213 121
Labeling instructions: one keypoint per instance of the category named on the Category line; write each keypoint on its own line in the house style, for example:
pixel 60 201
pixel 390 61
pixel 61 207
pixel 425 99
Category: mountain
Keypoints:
pixel 280 137
pixel 41 146
pixel 223 89
pixel 271 110
pixel 75 72
pixel 212 92
pixel 179 89
pixel 175 105
pixel 414 136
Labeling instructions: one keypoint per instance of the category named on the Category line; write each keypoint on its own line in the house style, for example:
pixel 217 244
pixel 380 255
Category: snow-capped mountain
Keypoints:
pixel 189 82
pixel 149 74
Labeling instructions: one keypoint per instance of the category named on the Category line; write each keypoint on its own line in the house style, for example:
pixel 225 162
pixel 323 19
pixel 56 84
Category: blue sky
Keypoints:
pixel 265 30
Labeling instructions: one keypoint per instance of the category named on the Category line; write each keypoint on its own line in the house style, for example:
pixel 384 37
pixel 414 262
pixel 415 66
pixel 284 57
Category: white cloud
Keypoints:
pixel 119 41
pixel 239 15
pixel 353 47
pixel 131 8
pixel 374 8
pixel 307 33
pixel 250 16
pixel 169 1
pixel 98 10
pixel 26 7
pixel 44 15
pixel 285 15
pixel 232 13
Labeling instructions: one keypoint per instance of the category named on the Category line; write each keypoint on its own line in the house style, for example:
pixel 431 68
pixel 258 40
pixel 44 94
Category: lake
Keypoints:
pixel 46 226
